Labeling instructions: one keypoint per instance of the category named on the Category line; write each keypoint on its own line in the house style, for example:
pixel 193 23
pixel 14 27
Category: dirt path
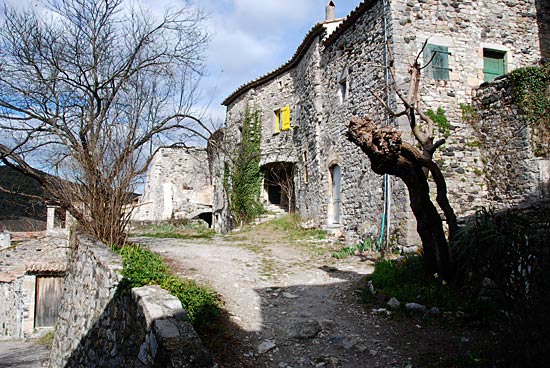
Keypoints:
pixel 294 309
pixel 23 354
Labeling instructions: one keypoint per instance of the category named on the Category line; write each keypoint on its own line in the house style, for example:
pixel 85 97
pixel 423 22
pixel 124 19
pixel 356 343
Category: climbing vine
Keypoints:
pixel 439 118
pixel 531 91
pixel 243 183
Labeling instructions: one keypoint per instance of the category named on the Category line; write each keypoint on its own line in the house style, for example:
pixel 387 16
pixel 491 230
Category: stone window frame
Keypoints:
pixel 508 58
pixel 306 170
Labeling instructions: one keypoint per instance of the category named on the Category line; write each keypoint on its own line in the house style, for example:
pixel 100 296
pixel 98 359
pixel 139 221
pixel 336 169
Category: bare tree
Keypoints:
pixel 89 90
pixel 388 154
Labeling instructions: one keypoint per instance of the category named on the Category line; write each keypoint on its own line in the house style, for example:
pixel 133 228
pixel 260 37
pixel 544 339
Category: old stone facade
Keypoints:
pixel 177 187
pixel 333 76
pixel 31 283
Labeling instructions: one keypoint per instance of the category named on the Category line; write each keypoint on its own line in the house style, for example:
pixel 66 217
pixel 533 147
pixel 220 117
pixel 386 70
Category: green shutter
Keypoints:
pixel 439 66
pixel 493 64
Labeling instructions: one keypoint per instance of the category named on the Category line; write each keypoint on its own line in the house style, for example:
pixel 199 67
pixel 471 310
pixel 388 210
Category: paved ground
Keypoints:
pixel 292 309
pixel 23 355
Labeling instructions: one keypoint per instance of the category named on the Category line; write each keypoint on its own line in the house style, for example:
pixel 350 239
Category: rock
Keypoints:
pixel 434 311
pixel 304 329
pixel 266 346
pixel 393 303
pixel 415 307
pixel 289 296
pixel 373 352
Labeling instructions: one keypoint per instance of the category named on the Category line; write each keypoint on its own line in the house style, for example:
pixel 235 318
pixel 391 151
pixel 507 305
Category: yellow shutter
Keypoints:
pixel 285 117
pixel 277 121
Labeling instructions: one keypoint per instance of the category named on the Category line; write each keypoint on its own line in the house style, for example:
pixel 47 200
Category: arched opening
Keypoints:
pixel 279 185
pixel 206 217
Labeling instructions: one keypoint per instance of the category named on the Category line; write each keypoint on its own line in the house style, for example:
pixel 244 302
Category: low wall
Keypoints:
pixel 99 326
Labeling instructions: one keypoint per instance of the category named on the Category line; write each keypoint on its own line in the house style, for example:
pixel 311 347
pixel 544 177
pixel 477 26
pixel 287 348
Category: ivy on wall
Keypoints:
pixel 439 118
pixel 243 181
pixel 531 91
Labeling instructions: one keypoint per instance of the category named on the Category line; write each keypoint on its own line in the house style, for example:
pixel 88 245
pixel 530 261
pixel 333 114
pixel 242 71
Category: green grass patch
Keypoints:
pixel 368 245
pixel 142 267
pixel 290 225
pixel 407 281
pixel 175 231
pixel 47 339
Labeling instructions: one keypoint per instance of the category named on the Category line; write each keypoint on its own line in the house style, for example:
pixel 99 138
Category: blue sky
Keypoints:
pixel 248 38
pixel 253 37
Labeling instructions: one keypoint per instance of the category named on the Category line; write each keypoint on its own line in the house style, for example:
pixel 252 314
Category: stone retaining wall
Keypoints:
pixel 99 326
pixel 515 174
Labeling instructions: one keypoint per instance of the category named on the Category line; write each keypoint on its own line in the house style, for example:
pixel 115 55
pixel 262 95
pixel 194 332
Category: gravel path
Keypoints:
pixel 297 310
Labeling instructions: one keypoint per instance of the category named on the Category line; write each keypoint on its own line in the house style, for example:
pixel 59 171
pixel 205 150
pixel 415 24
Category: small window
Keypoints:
pixel 282 119
pixel 494 64
pixel 343 86
pixel 437 60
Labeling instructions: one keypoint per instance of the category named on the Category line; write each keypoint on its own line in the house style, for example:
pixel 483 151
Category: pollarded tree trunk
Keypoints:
pixel 388 154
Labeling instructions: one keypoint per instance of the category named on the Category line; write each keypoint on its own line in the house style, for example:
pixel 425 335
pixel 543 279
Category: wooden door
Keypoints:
pixel 48 299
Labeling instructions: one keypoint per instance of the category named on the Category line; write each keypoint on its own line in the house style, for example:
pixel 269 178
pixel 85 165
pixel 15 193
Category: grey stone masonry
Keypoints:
pixel 101 326
pixel 178 186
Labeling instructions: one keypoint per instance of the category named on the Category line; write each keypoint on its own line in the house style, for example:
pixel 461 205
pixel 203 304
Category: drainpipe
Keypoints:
pixel 386 216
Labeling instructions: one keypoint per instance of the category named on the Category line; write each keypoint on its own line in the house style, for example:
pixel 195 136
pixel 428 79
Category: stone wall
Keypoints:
pixel 178 186
pixel 100 326
pixel 466 28
pixel 11 308
pixel 514 174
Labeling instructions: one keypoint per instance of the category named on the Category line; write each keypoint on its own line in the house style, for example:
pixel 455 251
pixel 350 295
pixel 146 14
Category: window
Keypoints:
pixel 306 172
pixel 438 59
pixel 282 119
pixel 494 64
pixel 343 86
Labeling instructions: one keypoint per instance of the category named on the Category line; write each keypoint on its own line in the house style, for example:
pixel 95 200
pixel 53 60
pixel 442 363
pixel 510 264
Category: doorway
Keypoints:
pixel 336 179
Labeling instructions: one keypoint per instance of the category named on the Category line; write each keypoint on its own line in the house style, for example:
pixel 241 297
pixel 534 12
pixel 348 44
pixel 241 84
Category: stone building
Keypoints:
pixel 177 187
pixel 305 105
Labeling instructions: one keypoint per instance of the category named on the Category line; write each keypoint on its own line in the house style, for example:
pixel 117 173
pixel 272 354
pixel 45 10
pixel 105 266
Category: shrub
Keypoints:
pixel 511 249
pixel 143 267
pixel 407 281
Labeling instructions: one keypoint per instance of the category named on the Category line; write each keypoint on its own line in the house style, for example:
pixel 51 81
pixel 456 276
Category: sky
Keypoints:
pixel 248 38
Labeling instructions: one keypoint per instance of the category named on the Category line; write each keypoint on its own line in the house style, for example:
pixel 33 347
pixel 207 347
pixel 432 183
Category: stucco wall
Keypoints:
pixel 101 327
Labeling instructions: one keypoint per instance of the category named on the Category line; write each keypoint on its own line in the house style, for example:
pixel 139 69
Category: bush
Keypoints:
pixel 142 267
pixel 407 281
pixel 511 249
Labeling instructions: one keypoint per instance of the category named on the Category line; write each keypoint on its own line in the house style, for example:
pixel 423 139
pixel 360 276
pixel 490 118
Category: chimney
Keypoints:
pixel 329 12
